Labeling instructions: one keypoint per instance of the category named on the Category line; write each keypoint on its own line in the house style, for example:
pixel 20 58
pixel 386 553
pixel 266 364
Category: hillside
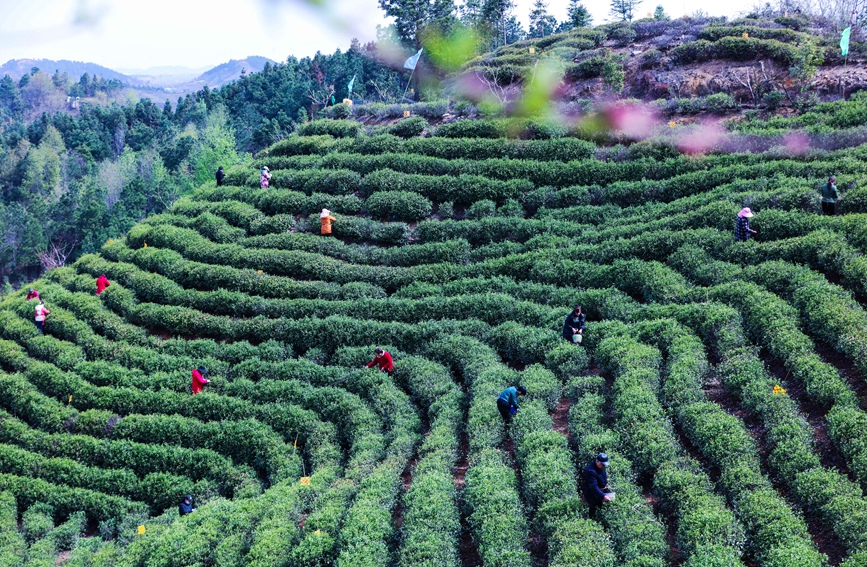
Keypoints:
pixel 726 380
pixel 231 70
pixel 15 68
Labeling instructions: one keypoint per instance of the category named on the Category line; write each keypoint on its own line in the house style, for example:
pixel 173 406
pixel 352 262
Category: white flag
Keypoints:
pixel 412 61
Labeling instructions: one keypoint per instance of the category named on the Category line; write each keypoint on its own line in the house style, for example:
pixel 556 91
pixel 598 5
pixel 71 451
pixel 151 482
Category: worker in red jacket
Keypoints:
pixel 101 283
pixel 383 359
pixel 32 294
pixel 199 379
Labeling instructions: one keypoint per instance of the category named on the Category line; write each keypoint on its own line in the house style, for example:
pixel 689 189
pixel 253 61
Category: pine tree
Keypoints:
pixel 624 10
pixel 411 17
pixel 579 15
pixel 471 12
pixel 541 22
pixel 659 13
pixel 495 20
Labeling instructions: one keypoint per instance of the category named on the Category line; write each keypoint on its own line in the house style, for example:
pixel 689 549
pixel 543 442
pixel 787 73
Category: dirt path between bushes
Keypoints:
pixel 467 547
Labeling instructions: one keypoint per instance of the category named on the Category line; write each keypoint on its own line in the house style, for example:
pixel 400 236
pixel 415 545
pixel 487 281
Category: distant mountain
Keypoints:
pixel 228 72
pixel 165 70
pixel 173 78
pixel 15 68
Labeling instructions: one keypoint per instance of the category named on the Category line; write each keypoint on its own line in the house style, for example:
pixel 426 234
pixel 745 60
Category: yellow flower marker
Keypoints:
pixel 532 50
pixel 110 241
pixel 141 530
pixel 779 390
pixel 745 35
pixel 70 399
pixel 305 481
pixel 258 271
pixel 146 245
pixel 406 113
pixel 672 124
pixel 318 533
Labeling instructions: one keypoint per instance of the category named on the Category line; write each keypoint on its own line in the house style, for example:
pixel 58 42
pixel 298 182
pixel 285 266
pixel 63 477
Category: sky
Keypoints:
pixel 135 34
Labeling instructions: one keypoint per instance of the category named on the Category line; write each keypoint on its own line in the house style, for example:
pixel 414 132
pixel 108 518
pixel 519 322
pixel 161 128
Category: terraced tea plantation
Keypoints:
pixel 726 380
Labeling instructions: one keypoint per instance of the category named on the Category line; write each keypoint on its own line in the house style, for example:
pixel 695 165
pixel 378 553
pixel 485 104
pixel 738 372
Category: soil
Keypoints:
pixel 62 557
pixel 468 549
pixel 405 482
pixel 560 415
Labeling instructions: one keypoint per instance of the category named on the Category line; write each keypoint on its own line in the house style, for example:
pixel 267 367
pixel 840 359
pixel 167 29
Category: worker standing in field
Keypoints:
pixel 507 402
pixel 31 294
pixel 264 177
pixel 220 175
pixel 41 311
pixel 383 359
pixel 199 379
pixel 101 283
pixel 742 225
pixel 830 196
pixel 186 506
pixel 327 219
pixel 573 327
pixel 596 483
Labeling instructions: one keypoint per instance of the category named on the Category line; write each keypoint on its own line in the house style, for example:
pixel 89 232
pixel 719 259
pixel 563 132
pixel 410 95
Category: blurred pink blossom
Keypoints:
pixel 797 143
pixel 633 121
pixel 700 139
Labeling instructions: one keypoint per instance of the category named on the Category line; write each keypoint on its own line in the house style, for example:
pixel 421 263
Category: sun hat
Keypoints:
pixel 324 213
pixel 265 168
pixel 745 212
pixel 603 458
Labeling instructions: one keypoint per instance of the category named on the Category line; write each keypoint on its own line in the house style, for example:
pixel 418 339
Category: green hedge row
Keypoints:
pixel 158 490
pixel 276 202
pixel 824 492
pixel 292 421
pixel 737 48
pixel 638 537
pixel 775 534
pixel 707 530
pixel 66 500
pixel 561 149
pixel 495 513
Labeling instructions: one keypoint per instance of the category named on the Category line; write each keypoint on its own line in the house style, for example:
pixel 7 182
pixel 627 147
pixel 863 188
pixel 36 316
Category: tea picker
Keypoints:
pixel 596 489
pixel 507 402
pixel 383 359
pixel 573 327
pixel 199 379
pixel 186 506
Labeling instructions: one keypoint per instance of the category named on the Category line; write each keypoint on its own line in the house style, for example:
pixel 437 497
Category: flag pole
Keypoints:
pixel 408 83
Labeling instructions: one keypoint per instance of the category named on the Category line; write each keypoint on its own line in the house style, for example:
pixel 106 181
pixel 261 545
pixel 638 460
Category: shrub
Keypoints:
pixel 408 127
pixel 482 209
pixel 326 126
pixel 400 205
pixel 719 102
pixel 469 129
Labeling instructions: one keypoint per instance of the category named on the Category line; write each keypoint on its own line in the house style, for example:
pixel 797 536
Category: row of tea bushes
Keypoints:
pixel 776 536
pixel 638 537
pixel 707 529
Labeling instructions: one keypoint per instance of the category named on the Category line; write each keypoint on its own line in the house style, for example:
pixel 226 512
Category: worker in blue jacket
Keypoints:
pixel 507 403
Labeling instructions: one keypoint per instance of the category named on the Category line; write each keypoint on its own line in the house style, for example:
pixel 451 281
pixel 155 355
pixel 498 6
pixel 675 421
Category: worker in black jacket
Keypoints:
pixel 596 483
pixel 573 327
pixel 220 175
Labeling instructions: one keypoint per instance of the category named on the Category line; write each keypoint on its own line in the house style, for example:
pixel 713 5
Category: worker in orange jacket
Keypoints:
pixel 326 218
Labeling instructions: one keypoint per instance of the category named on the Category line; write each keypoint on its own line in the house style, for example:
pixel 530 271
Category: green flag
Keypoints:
pixel 844 42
